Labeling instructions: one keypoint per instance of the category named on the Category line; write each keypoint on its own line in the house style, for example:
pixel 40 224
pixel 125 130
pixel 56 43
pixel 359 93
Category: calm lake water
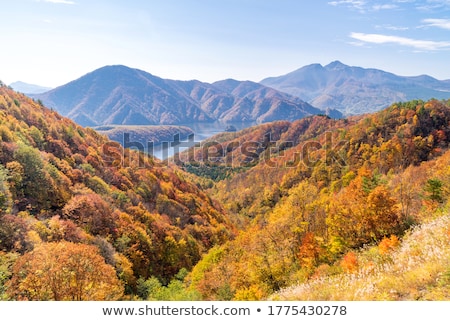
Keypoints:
pixel 201 131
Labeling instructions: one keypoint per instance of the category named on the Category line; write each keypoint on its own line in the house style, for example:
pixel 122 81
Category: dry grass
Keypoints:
pixel 419 269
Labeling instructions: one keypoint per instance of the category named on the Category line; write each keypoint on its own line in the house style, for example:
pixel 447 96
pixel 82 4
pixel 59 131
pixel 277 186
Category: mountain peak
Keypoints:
pixel 125 96
pixel 335 65
pixel 227 84
pixel 311 67
pixel 355 90
pixel 28 88
pixel 115 69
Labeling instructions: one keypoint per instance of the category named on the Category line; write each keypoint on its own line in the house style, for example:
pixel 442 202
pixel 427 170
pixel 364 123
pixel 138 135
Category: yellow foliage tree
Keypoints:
pixel 361 213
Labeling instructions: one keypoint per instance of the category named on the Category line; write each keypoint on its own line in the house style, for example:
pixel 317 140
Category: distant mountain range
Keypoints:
pixel 26 88
pixel 125 96
pixel 355 90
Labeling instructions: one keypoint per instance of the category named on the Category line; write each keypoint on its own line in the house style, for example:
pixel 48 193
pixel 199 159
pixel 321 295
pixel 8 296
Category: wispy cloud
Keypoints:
pixel 363 6
pixel 354 4
pixel 58 1
pixel 357 43
pixel 366 6
pixel 394 28
pixel 439 23
pixel 432 5
pixel 426 45
pixel 384 7
pixel 391 27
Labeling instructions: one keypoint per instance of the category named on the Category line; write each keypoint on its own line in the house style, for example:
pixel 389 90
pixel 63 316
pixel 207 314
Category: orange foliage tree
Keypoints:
pixel 64 271
pixel 92 213
pixel 350 262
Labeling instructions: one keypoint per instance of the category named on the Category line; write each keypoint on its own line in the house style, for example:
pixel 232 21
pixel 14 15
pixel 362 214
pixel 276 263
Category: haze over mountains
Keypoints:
pixel 126 96
pixel 26 88
pixel 355 90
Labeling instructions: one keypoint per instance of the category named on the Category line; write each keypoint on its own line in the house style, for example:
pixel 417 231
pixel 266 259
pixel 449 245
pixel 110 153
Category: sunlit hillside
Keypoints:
pixel 415 268
pixel 364 181
pixel 315 209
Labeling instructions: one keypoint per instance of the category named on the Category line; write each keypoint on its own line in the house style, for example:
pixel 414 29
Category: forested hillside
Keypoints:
pixel 307 212
pixel 283 210
pixel 82 219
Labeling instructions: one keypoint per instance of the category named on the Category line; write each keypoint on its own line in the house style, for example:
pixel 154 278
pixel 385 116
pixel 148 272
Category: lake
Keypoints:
pixel 201 131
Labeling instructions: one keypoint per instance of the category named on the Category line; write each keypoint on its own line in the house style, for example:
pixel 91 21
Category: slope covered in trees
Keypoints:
pixel 73 201
pixel 315 202
pixel 341 185
pixel 415 269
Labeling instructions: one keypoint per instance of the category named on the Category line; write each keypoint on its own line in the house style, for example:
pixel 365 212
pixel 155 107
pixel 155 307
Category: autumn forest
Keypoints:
pixel 312 209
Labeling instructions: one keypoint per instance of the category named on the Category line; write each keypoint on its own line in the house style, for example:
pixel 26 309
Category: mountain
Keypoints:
pixel 355 90
pixel 264 104
pixel 125 96
pixel 26 88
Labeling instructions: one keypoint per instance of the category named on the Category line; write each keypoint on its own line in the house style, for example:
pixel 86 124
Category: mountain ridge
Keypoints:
pixel 27 88
pixel 356 90
pixel 126 96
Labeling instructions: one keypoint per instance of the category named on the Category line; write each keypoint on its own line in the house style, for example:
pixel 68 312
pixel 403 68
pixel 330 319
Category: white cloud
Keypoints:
pixel 357 44
pixel 58 1
pixel 391 27
pixel 362 5
pixel 396 28
pixel 433 5
pixel 439 23
pixel 365 6
pixel 408 42
pixel 384 7
pixel 355 4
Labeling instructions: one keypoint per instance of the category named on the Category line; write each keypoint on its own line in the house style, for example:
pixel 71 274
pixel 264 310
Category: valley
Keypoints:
pixel 269 198
pixel 163 136
pixel 225 159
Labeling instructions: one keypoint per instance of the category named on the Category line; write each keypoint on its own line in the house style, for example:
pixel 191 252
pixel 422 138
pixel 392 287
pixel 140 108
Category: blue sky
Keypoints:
pixel 51 42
